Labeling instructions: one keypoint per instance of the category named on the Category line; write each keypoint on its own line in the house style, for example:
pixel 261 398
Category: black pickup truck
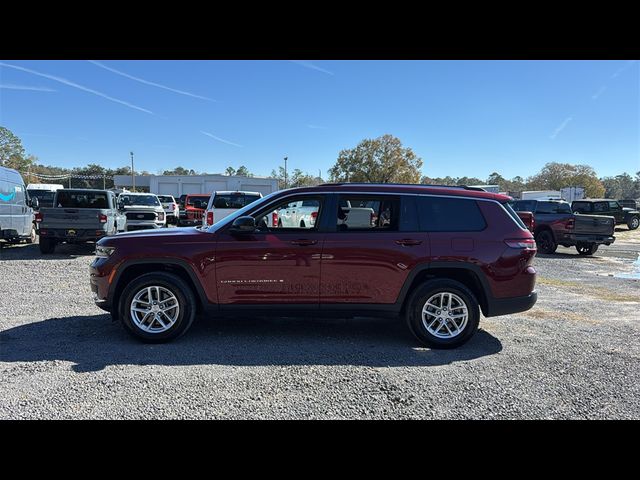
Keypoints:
pixel 556 224
pixel 604 206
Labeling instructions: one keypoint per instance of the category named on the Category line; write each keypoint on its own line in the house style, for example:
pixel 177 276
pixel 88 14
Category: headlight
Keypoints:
pixel 104 251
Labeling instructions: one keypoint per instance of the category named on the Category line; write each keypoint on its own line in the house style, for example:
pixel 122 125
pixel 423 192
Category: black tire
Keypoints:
pixel 417 301
pixel 279 223
pixel 545 242
pixel 633 223
pixel 34 235
pixel 47 245
pixel 302 225
pixel 178 287
pixel 586 248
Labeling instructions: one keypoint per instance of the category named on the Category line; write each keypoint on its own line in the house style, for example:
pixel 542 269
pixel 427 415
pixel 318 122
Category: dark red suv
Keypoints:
pixel 433 255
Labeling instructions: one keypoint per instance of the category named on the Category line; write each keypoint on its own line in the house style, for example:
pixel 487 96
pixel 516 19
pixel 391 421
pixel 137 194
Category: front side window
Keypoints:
pixel 441 214
pixel 301 213
pixel 367 212
pixel 581 207
pixel 614 206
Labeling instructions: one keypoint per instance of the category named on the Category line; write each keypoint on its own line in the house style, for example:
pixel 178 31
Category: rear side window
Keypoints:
pixel 553 207
pixel 600 207
pixel 82 199
pixel 441 214
pixel 512 213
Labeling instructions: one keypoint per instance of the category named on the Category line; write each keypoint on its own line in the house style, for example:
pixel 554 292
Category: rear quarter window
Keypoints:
pixel 581 207
pixel 441 214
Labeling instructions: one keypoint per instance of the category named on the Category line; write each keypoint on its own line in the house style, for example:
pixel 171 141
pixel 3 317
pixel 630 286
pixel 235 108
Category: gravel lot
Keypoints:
pixel 574 355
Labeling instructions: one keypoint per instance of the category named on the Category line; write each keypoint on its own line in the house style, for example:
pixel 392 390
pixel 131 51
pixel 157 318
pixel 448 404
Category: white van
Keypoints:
pixel 44 192
pixel 16 214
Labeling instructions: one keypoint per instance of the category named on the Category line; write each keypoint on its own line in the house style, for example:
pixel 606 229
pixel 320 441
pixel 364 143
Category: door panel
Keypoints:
pixel 369 267
pixel 269 268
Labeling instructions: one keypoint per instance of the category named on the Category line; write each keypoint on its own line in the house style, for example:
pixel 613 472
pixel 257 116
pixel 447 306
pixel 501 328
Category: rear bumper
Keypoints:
pixel 575 238
pixel 79 236
pixel 506 306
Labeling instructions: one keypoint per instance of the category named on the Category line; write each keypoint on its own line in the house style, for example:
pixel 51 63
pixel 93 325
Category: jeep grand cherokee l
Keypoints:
pixel 436 256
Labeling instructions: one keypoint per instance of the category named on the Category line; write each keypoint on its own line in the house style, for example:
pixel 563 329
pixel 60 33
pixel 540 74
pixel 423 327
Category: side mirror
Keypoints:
pixel 242 225
pixel 34 202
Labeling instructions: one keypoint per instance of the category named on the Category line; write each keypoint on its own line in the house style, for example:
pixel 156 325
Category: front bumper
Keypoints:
pixel 143 225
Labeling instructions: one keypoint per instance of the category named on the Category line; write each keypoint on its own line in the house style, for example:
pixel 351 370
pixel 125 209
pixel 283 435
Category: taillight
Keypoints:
pixel 210 218
pixel 524 243
pixel 571 223
pixel 39 216
pixel 102 218
pixel 274 218
pixel 314 215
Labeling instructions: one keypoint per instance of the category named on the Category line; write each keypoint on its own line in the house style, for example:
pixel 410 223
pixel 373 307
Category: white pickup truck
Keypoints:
pixel 224 203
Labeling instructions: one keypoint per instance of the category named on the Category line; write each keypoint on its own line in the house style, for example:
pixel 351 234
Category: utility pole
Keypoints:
pixel 133 178
pixel 285 171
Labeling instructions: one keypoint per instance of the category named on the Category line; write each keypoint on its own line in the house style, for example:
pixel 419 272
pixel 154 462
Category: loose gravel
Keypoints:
pixel 574 355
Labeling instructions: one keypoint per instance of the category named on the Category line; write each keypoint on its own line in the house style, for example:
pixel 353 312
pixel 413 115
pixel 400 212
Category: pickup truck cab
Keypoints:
pixel 194 206
pixel 604 206
pixel 143 210
pixel 224 203
pixel 555 224
pixel 79 216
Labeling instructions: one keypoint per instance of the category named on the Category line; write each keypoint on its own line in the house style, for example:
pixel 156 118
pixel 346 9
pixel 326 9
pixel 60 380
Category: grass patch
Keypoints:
pixel 584 288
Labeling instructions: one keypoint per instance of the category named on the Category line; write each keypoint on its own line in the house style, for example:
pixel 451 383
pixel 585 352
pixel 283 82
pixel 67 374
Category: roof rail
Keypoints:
pixel 465 187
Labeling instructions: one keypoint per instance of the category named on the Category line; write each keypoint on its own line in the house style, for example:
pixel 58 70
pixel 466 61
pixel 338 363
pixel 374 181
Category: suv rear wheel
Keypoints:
pixel 443 313
pixel 545 242
pixel 634 222
pixel 157 307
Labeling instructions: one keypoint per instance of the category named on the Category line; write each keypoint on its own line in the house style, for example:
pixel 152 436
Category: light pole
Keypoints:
pixel 133 178
pixel 285 171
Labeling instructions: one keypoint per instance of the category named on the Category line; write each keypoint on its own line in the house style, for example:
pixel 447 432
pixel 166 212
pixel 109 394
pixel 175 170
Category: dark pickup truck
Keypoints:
pixel 604 206
pixel 555 224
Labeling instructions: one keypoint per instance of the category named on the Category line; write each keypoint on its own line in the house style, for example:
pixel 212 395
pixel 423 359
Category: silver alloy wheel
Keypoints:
pixel 445 315
pixel 154 309
pixel 635 222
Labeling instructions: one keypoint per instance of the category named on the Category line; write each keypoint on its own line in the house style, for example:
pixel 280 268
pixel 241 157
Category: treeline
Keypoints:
pixel 379 160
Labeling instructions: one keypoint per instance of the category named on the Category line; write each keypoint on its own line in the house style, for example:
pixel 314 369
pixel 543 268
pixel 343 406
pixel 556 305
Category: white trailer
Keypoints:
pixel 572 193
pixel 540 195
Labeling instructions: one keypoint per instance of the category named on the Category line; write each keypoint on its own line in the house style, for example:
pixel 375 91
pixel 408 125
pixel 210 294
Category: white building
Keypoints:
pixel 177 185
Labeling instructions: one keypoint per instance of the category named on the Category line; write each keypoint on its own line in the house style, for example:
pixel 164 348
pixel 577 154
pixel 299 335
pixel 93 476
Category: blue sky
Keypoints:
pixel 464 118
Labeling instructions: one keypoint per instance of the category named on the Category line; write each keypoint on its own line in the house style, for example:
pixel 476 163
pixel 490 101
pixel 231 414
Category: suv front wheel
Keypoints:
pixel 443 313
pixel 157 307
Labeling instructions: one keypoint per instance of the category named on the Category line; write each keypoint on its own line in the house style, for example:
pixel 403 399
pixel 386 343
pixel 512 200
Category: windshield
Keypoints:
pixel 87 199
pixel 145 200
pixel 166 198
pixel 201 199
pixel 238 213
pixel 45 197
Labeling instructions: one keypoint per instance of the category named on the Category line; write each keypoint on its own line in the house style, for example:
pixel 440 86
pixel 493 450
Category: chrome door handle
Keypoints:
pixel 303 242
pixel 408 242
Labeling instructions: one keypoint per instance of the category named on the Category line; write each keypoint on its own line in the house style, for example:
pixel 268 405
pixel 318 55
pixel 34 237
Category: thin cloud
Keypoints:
pixel 600 91
pixel 316 127
pixel 220 139
pixel 561 127
pixel 622 69
pixel 147 82
pixel 312 66
pixel 69 83
pixel 7 86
